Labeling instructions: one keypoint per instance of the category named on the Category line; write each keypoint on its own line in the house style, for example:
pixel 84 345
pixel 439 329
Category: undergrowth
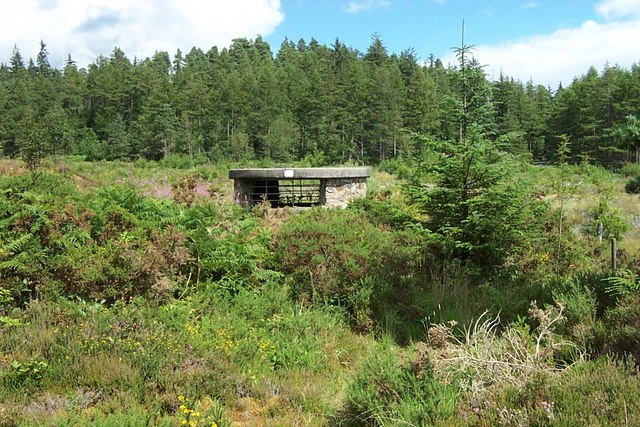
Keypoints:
pixel 140 295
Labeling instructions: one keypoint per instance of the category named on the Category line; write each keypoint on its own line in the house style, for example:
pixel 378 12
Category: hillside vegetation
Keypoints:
pixel 473 286
pixel 139 294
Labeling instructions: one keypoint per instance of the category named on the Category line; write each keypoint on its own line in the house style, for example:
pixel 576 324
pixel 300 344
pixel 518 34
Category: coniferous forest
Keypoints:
pixel 331 104
pixel 491 276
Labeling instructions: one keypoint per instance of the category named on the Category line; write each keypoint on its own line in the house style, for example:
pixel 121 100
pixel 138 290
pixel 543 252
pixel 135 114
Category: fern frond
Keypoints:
pixel 74 239
pixel 17 245
pixel 13 264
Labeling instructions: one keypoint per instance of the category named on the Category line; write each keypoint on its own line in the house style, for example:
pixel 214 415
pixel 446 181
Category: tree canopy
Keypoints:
pixel 331 104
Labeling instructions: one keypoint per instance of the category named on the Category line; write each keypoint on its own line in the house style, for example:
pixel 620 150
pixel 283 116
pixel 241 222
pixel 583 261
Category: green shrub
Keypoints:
pixel 23 374
pixel 478 210
pixel 630 170
pixel 613 224
pixel 123 266
pixel 601 392
pixel 109 244
pixel 580 305
pixel 391 390
pixel 618 331
pixel 29 205
pixel 50 187
pixel 633 185
pixel 402 168
pixel 334 257
pixel 592 281
pixel 227 246
pixel 381 212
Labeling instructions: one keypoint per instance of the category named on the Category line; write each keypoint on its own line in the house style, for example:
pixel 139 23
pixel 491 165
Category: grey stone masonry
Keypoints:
pixel 339 192
pixel 337 186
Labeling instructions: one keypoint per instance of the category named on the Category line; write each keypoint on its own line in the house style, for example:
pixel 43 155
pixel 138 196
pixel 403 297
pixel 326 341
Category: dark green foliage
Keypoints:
pixel 240 103
pixel 103 246
pixel 633 185
pixel 381 212
pixel 628 135
pixel 393 390
pixel 630 170
pixel 618 332
pixel 591 283
pixel 475 208
pixel 603 312
pixel 328 259
pixel 33 143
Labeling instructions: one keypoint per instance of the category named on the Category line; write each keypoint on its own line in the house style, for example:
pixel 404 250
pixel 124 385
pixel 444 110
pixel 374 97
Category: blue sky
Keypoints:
pixel 547 41
pixel 428 26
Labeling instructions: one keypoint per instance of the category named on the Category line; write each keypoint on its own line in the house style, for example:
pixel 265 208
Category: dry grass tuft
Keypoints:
pixel 485 356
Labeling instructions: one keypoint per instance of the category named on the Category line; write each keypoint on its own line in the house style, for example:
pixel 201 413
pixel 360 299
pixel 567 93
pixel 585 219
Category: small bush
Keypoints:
pixel 619 330
pixel 392 390
pixel 594 393
pixel 382 212
pixel 613 224
pixel 336 257
pixel 630 170
pixel 580 305
pixel 227 246
pixel 601 392
pixel 633 185
pixel 25 373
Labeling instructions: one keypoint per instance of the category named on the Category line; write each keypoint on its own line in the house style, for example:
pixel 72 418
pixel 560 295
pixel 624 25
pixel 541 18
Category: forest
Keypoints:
pixel 489 277
pixel 323 104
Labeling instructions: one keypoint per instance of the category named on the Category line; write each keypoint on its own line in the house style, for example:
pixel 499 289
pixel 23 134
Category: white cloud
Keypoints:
pixel 88 28
pixel 364 5
pixel 529 5
pixel 563 55
pixel 611 9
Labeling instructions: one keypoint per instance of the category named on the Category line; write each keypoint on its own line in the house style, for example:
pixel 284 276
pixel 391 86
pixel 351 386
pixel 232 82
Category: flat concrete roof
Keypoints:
pixel 300 173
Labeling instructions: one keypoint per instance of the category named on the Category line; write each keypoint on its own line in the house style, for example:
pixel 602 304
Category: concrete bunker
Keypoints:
pixel 300 187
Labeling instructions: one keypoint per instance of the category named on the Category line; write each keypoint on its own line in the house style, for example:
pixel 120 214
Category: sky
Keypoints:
pixel 544 41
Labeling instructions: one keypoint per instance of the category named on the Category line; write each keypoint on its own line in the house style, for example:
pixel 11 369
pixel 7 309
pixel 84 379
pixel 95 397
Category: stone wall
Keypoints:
pixel 241 190
pixel 339 192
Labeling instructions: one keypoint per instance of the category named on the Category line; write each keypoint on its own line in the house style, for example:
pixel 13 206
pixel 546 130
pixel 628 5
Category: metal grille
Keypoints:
pixel 286 192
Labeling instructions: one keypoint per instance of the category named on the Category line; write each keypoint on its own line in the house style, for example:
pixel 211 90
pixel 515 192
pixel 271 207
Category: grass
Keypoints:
pixel 287 366
pixel 235 349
